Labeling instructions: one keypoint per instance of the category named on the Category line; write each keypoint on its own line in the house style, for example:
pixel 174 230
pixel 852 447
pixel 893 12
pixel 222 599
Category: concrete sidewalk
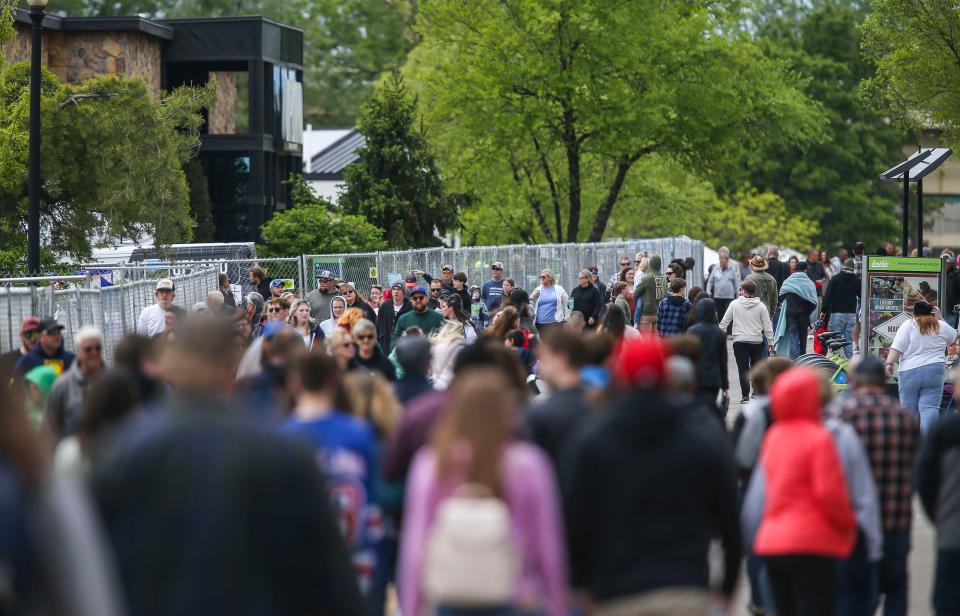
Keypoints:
pixel 923 549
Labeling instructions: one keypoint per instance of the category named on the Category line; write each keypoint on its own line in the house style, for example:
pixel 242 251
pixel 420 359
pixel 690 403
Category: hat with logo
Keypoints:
pixel 418 290
pixel 496 265
pixel 276 283
pixel 410 280
pixel 165 284
pixel 397 285
pixel 30 324
pixel 758 263
pixel 447 268
pixel 325 275
pixel 48 325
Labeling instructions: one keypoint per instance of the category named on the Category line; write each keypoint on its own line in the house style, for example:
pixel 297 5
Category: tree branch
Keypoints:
pixel 554 196
pixel 534 204
pixel 613 193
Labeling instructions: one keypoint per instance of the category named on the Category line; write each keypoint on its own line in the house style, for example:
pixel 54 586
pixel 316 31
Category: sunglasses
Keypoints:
pixel 418 298
pixel 349 292
pixel 496 269
pixel 434 290
pixel 543 277
pixel 274 309
pixel 366 337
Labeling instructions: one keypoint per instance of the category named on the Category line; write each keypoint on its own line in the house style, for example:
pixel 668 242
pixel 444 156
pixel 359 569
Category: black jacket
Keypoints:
pixel 588 301
pixel 379 363
pixel 645 490
pixel 387 320
pixel 712 365
pixel 551 422
pixel 936 478
pixel 368 312
pixel 842 293
pixel 777 269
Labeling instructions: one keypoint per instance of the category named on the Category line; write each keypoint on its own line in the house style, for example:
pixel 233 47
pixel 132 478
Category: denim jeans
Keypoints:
pixel 797 333
pixel 921 390
pixel 856 582
pixel 892 582
pixel 844 322
pixel 946 591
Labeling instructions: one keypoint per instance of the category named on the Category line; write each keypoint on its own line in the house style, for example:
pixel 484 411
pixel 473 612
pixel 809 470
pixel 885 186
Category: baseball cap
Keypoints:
pixel 410 280
pixel 276 283
pixel 496 265
pixel 397 285
pixel 30 324
pixel 272 328
pixel 416 290
pixel 593 269
pixel 165 284
pixel 49 324
pixel 447 268
pixel 325 274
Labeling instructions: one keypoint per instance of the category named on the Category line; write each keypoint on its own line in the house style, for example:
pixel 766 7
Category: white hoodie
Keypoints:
pixel 751 321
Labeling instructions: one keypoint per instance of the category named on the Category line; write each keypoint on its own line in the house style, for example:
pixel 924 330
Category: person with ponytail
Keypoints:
pixel 921 346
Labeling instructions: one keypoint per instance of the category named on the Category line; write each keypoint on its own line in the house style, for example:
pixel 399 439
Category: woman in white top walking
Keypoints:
pixel 921 345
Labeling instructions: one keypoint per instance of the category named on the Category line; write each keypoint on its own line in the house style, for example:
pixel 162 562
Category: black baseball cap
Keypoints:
pixel 48 325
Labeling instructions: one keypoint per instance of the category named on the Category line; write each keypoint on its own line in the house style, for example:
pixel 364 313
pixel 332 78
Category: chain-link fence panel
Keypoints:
pixel 360 269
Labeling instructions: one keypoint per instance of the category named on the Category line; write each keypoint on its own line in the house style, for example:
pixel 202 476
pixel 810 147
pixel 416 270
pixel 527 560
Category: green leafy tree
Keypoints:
pixel 395 183
pixel 348 44
pixel 315 225
pixel 833 182
pixel 915 45
pixel 548 105
pixel 112 160
pixel 749 219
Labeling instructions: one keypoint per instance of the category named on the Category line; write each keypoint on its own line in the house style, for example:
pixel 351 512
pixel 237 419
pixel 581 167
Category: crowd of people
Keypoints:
pixel 444 448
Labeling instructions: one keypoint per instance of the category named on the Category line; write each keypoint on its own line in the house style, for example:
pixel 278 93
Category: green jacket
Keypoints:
pixel 428 321
pixel 652 287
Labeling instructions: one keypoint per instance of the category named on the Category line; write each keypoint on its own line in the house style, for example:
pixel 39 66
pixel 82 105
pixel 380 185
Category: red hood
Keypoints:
pixel 796 395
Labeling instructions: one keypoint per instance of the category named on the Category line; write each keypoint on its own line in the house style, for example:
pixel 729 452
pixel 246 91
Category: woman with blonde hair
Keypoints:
pixel 473 448
pixel 371 397
pixel 921 347
pixel 341 345
pixel 549 303
pixel 447 343
pixel 305 325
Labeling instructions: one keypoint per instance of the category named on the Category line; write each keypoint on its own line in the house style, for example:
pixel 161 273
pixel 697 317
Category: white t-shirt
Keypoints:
pixel 152 321
pixel 918 350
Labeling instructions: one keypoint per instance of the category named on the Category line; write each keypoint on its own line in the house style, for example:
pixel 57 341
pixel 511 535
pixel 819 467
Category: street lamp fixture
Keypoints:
pixel 33 213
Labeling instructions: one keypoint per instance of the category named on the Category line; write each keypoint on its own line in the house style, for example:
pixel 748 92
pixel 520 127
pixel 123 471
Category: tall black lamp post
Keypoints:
pixel 33 214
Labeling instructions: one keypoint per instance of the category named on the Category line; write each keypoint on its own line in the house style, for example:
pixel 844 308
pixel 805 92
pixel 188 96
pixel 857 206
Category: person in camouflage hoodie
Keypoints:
pixel 652 289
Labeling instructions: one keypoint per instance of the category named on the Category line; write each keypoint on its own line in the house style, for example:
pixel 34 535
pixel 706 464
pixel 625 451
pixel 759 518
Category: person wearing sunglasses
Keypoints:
pixel 549 304
pixel 615 278
pixel 49 351
pixel 421 316
pixel 278 309
pixel 355 300
pixel 29 339
pixel 370 356
pixel 66 399
pixel 321 297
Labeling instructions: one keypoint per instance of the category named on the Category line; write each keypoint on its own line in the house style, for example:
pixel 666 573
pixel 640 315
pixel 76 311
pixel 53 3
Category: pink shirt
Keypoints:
pixel 530 491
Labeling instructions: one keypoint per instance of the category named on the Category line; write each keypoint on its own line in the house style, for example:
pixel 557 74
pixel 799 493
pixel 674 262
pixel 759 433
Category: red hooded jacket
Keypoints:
pixel 807 508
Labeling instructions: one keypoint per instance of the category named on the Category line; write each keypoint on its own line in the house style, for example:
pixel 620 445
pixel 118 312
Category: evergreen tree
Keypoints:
pixel 200 208
pixel 395 184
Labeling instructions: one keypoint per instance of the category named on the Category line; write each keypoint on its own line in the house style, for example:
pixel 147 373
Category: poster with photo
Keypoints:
pixel 892 287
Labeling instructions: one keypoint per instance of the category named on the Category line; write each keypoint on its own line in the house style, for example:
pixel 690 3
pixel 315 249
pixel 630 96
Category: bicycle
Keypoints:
pixel 834 363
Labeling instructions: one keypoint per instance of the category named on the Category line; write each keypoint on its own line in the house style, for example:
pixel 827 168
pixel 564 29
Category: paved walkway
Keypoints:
pixel 922 553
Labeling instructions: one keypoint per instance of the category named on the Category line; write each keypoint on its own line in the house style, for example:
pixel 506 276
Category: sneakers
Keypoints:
pixel 744 399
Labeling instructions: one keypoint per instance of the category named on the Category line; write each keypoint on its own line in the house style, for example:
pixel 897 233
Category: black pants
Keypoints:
pixel 747 355
pixel 722 305
pixel 803 585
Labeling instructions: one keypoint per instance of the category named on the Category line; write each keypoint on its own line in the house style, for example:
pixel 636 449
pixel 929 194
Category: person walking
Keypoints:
pixel 301 321
pixel 549 304
pixel 369 355
pixel 807 523
pixel 338 305
pixel 649 291
pixel 712 376
pixel 751 326
pixel 66 399
pixel 891 436
pixel 587 299
pixel 491 293
pixel 723 283
pixel 672 310
pixel 49 351
pixel 427 320
pixel 390 312
pixel 920 347
pixel 355 300
pixel 768 291
pixel 645 493
pixel 474 459
pixel 257 278
pixel 840 304
pixel 937 476
pixel 223 285
pixel 452 311
pixel 776 267
pixel 152 319
pixel 321 297
pixel 29 339
pixel 798 305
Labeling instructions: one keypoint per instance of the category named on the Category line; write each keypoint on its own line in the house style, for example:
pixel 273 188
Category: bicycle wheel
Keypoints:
pixel 817 361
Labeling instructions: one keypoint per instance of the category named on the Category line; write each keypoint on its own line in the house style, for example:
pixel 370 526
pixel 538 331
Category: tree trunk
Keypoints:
pixel 613 193
pixel 573 170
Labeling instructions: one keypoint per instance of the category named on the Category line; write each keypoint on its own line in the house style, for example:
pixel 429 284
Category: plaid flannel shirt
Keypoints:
pixel 670 316
pixel 891 436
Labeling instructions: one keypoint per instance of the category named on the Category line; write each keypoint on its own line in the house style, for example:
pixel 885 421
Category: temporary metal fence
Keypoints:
pixel 77 301
pixel 287 269
pixel 521 262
